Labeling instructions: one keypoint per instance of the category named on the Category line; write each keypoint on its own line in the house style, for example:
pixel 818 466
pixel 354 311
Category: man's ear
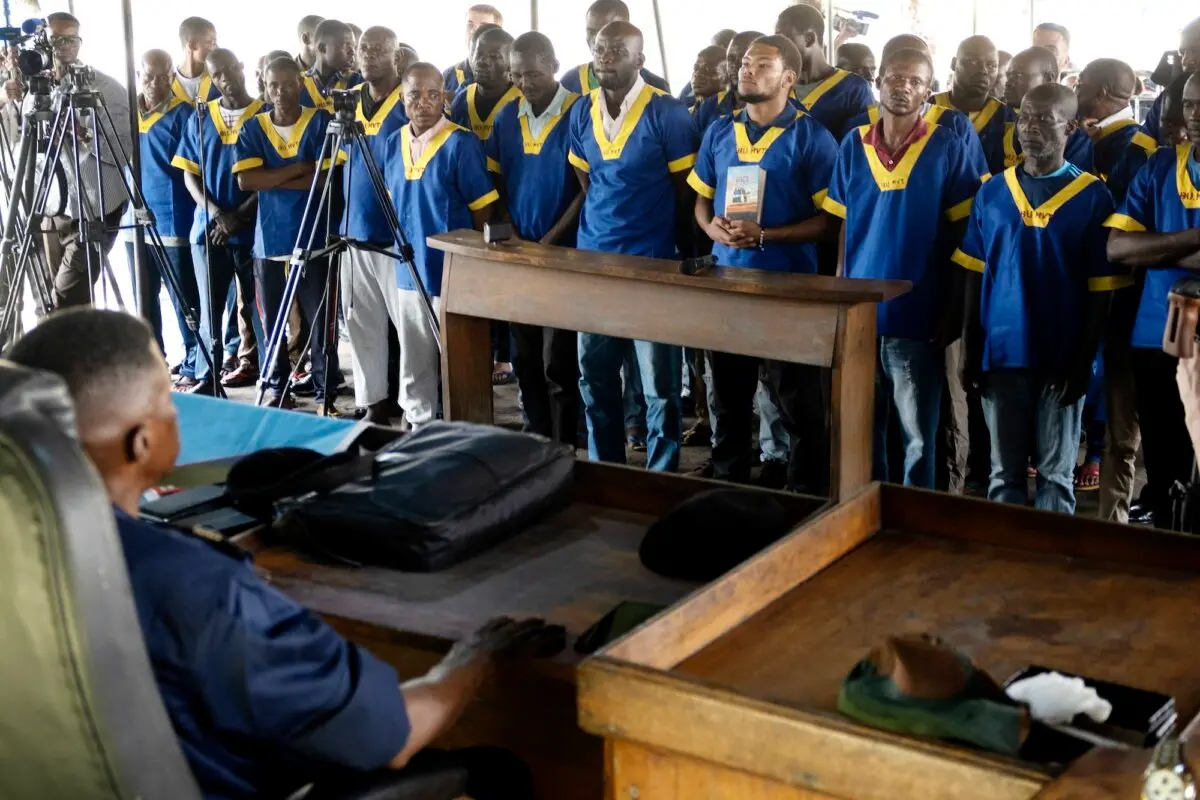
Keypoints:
pixel 641 61
pixel 810 39
pixel 138 445
pixel 1072 126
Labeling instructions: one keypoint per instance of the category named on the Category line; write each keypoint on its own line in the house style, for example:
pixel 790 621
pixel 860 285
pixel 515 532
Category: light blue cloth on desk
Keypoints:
pixel 211 429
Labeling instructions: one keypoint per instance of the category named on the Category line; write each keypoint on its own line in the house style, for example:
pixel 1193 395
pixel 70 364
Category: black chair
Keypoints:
pixel 80 713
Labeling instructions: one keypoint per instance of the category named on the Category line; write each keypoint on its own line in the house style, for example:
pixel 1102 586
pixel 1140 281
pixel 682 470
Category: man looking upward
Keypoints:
pixel 799 155
pixel 460 74
pixel 583 79
pixel 976 66
pixel 369 294
pixel 1029 69
pixel 306 32
pixel 725 102
pixel 1038 298
pixel 527 154
pixel 334 67
pixel 834 96
pixel 476 106
pixel 1056 39
pixel 904 188
pixel 632 147
pixel 191 82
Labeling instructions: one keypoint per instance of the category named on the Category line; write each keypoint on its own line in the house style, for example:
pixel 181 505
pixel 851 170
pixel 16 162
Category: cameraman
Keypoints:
pixel 72 283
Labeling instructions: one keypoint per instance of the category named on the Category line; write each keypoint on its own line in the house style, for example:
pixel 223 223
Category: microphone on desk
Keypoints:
pixel 690 266
pixel 494 232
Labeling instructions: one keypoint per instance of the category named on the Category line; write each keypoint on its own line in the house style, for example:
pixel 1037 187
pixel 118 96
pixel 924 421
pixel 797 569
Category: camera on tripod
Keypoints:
pixel 345 102
pixel 1183 314
pixel 36 56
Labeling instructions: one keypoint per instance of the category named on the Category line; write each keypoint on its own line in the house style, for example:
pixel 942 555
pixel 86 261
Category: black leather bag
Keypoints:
pixel 434 498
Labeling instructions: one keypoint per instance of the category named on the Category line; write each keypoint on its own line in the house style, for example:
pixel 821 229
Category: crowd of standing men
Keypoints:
pixel 1038 225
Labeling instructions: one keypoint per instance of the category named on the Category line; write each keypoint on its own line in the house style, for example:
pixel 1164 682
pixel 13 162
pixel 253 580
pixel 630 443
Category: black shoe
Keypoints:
pixel 773 476
pixel 306 387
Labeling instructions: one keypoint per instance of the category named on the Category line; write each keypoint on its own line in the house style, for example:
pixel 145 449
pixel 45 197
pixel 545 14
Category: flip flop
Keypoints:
pixel 1087 477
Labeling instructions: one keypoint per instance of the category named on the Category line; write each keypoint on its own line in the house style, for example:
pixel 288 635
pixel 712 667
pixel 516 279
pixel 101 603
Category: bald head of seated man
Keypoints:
pixel 263 695
pixel 1105 88
pixel 1029 69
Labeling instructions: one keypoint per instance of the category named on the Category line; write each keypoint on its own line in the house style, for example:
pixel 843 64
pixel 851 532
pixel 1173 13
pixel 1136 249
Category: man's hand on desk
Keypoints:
pixel 505 637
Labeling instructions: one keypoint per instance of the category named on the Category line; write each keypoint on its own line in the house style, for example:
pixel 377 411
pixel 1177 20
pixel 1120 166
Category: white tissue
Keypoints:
pixel 1056 699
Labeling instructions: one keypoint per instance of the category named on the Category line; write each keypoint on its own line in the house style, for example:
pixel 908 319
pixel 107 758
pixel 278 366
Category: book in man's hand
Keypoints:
pixel 744 187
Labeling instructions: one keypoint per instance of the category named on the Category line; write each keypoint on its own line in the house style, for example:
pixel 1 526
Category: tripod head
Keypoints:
pixel 345 105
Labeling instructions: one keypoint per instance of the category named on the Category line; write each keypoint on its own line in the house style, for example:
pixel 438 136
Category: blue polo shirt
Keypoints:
pixel 1079 146
pixel 465 110
pixel 897 223
pixel 947 117
pixel 1040 244
pixel 263 695
pixel 280 211
pixel 989 124
pixel 836 100
pixel 435 194
pixel 1164 197
pixel 315 92
pixel 159 135
pixel 539 183
pixel 798 155
pixel 630 204
pixel 364 220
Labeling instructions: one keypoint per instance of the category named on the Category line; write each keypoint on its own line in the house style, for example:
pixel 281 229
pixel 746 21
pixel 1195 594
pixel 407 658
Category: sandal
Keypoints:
pixel 502 376
pixel 1087 477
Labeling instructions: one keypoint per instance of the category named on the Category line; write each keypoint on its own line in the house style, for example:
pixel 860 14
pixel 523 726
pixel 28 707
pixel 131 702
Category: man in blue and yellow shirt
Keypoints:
pixel 904 188
pixel 1038 303
pixel 727 100
pixel 227 223
pixel 834 96
pixel 584 78
pixel 368 278
pixel 527 153
pixel 1029 69
pixel 1158 229
pixel 632 147
pixel 1122 147
pixel 437 174
pixel 277 157
pixel 475 106
pixel 976 67
pixel 334 66
pixel 192 82
pixel 799 155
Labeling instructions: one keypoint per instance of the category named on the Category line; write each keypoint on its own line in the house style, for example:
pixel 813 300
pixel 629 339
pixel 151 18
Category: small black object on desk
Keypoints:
pixel 494 232
pixel 691 266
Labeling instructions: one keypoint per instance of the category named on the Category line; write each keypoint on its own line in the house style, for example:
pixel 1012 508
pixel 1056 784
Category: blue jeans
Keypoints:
pixel 227 261
pixel 660 367
pixel 773 439
pixel 232 338
pixel 910 377
pixel 179 261
pixel 1023 413
pixel 632 399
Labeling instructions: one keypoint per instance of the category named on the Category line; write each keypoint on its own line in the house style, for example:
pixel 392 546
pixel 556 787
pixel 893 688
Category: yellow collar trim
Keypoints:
pixel 483 127
pixel 290 147
pixel 314 92
pixel 980 118
pixel 813 97
pixel 230 135
pixel 932 114
pixel 372 126
pixel 897 179
pixel 534 144
pixel 1040 217
pixel 585 78
pixel 1113 127
pixel 612 150
pixel 753 153
pixel 146 122
pixel 1011 156
pixel 1189 193
pixel 414 172
pixel 460 74
pixel 201 91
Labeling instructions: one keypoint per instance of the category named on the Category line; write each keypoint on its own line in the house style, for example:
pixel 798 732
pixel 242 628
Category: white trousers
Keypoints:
pixel 369 299
pixel 420 360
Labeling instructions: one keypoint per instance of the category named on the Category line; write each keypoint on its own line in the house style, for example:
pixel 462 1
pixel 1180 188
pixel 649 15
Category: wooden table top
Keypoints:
pixel 1005 608
pixel 571 569
pixel 815 288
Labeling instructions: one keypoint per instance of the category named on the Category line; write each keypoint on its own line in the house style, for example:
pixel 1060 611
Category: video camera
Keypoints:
pixel 345 102
pixel 1181 335
pixel 33 39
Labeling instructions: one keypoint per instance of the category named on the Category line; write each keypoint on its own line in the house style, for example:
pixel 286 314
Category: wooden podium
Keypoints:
pixel 806 319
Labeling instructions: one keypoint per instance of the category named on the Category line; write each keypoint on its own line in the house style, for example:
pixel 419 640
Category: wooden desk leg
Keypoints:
pixel 852 406
pixel 467 368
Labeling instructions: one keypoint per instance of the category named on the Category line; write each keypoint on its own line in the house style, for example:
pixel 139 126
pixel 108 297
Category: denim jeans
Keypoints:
pixel 632 396
pixel 1023 413
pixel 232 338
pixel 270 279
pixel 227 261
pixel 773 439
pixel 910 377
pixel 660 368
pixel 179 261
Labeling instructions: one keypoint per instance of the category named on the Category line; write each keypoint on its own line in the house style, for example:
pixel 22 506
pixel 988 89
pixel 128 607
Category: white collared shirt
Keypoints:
pixel 538 123
pixel 1124 113
pixel 612 126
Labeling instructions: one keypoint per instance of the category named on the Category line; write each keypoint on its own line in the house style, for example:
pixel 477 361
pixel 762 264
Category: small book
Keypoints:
pixel 744 191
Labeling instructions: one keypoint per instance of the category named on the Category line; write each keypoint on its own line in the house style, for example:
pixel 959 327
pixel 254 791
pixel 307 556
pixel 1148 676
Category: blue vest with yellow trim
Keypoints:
pixel 218 158
pixel 362 219
pixel 205 92
pixel 159 136
pixel 539 182
pixel 582 80
pixel 630 204
pixel 316 94
pixel 456 77
pixel 1041 252
pixel 463 110
pixel 280 211
pixel 1110 144
pixel 1079 146
pixel 947 117
pixel 838 99
pixel 989 124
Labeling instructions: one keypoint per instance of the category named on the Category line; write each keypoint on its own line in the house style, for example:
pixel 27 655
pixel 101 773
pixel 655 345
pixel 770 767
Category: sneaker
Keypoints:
pixel 773 475
pixel 305 388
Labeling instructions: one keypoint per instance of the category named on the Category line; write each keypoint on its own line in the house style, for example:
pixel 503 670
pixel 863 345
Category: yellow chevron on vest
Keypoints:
pixel 1040 217
pixel 291 146
pixel 201 91
pixel 821 89
pixel 753 153
pixel 148 121
pixel 483 127
pixel 1189 193
pixel 533 144
pixel 371 126
pixel 230 135
pixel 897 179
pixel 610 151
pixel 979 119
pixel 415 171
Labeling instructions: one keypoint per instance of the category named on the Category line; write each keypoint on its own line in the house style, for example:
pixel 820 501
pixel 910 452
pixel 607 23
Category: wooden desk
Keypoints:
pixel 570 569
pixel 733 692
pixel 806 319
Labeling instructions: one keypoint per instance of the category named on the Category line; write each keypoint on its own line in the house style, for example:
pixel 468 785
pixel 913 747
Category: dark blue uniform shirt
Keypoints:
pixel 263 695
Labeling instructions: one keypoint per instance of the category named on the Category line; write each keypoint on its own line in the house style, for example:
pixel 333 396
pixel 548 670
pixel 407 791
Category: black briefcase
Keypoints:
pixel 433 498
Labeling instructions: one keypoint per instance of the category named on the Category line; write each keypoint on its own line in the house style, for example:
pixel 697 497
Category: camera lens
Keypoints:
pixel 32 62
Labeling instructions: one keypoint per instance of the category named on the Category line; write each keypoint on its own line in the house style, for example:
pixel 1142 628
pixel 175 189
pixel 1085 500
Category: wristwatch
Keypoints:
pixel 1168 777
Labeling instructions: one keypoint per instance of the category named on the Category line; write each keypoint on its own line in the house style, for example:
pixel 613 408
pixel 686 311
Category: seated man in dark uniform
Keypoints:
pixel 264 696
